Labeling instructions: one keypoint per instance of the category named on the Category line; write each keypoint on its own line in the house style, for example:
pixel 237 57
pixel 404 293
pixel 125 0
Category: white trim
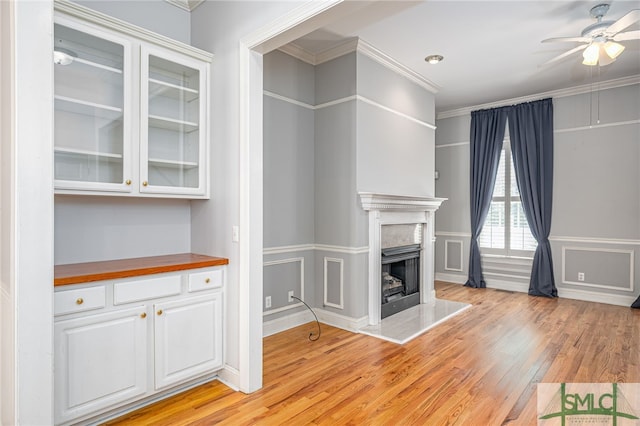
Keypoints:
pixel 565 293
pixel 395 66
pixel 187 5
pixel 320 247
pixel 372 201
pixel 336 102
pixel 596 126
pixel 229 376
pixel 391 110
pixel 286 322
pixel 561 93
pixel 326 287
pixel 451 278
pixel 447 145
pixel 268 312
pixel 446 255
pixel 507 260
pixel 596 240
pixel 342 249
pixel 452 234
pixel 340 321
pixel 518 277
pixel 288 100
pixel 336 51
pixel 601 250
pixel 365 48
pixel 287 249
pixel 89 15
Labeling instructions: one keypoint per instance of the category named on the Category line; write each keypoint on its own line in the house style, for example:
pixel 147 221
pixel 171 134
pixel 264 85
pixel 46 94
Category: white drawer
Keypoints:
pixel 134 291
pixel 206 280
pixel 84 299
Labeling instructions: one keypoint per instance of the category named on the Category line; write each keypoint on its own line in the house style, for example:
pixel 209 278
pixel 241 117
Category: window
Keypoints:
pixel 506 231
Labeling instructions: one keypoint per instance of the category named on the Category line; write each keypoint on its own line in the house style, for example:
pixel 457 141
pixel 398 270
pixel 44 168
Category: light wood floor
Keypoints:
pixel 479 368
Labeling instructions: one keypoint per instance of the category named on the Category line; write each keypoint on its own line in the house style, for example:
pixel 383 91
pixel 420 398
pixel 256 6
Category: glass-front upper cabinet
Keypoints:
pixel 91 109
pixel 172 123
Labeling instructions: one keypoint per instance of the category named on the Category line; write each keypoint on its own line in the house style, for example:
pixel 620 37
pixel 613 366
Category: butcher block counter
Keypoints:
pixel 81 273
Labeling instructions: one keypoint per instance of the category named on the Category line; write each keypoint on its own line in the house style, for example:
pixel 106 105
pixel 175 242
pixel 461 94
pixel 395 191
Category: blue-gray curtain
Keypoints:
pixel 531 134
pixel 487 134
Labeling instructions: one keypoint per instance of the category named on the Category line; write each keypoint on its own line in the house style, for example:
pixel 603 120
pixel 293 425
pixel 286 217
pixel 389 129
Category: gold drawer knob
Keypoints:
pixel 207 280
pixel 79 301
pixel 128 181
pixel 145 183
pixel 143 315
pixel 159 312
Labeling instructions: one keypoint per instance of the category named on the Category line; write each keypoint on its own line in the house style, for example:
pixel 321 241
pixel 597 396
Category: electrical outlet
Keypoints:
pixel 267 302
pixel 290 296
pixel 580 276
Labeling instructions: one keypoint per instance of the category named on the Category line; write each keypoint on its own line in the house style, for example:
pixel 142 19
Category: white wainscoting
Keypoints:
pixel 281 262
pixel 448 267
pixel 326 302
pixel 630 253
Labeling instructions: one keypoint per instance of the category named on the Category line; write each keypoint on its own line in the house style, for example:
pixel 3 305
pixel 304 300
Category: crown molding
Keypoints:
pixel 187 5
pixel 89 15
pixel 361 46
pixel 560 93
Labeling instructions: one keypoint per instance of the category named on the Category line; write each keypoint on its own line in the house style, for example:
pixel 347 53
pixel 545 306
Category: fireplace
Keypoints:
pixel 392 213
pixel 400 282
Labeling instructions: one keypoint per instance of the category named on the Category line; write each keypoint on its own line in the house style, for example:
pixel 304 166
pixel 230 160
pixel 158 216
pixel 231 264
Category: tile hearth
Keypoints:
pixel 410 323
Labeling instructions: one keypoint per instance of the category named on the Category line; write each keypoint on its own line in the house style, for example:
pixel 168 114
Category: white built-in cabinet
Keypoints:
pixel 131 109
pixel 125 340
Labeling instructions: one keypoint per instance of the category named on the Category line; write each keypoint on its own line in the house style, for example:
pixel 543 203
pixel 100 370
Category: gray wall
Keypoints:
pixel 369 134
pixel 596 203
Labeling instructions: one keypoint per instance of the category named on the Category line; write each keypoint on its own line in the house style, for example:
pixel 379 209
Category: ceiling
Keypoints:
pixel 492 49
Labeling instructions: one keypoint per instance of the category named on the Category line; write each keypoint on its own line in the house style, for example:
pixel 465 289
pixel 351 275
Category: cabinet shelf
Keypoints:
pixel 108 156
pixel 97 65
pixel 172 164
pixel 172 124
pixel 161 88
pixel 77 106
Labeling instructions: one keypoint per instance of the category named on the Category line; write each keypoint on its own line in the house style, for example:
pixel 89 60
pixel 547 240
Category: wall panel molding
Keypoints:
pixel 595 240
pixel 320 247
pixel 453 234
pixel 281 262
pixel 631 254
pixel 326 302
pixel 596 126
pixel 446 255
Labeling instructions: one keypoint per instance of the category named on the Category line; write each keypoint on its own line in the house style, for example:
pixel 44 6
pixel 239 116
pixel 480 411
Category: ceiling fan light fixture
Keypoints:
pixel 590 54
pixel 434 59
pixel 613 49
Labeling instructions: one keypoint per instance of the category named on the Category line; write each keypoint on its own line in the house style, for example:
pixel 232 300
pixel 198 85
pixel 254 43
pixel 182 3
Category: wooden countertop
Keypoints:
pixel 79 273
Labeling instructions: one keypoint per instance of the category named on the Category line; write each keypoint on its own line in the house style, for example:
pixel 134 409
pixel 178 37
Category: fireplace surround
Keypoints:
pixel 385 209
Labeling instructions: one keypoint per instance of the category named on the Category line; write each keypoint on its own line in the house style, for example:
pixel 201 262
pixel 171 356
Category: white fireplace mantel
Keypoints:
pixel 386 209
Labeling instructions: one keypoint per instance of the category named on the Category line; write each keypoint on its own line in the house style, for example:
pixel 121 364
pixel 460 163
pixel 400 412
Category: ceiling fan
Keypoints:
pixel 601 39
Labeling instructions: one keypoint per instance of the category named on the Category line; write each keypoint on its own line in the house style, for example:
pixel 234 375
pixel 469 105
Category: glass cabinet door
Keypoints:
pixel 172 123
pixel 91 129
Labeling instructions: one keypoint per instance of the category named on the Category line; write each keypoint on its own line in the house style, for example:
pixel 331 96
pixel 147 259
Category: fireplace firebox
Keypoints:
pixel 400 278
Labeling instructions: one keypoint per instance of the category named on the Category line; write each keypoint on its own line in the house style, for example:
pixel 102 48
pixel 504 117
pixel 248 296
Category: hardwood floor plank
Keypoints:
pixel 479 367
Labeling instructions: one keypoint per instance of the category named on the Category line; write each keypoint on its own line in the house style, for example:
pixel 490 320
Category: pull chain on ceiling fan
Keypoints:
pixel 601 39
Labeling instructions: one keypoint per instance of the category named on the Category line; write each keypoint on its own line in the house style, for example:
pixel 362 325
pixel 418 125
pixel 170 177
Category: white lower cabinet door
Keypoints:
pixel 100 361
pixel 188 338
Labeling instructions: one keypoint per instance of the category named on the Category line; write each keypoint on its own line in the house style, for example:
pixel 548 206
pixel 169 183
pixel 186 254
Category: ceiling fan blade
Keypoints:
pixel 624 22
pixel 629 35
pixel 565 54
pixel 563 39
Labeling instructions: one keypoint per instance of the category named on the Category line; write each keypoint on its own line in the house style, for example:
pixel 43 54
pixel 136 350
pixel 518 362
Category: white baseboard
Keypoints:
pixel 230 377
pixel 341 321
pixel 286 322
pixel 566 293
pixel 592 296
pixel 451 278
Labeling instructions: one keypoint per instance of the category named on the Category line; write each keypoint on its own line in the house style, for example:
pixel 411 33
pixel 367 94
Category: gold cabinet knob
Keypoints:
pixel 145 183
pixel 79 301
pixel 128 181
pixel 143 315
pixel 207 280
pixel 159 312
